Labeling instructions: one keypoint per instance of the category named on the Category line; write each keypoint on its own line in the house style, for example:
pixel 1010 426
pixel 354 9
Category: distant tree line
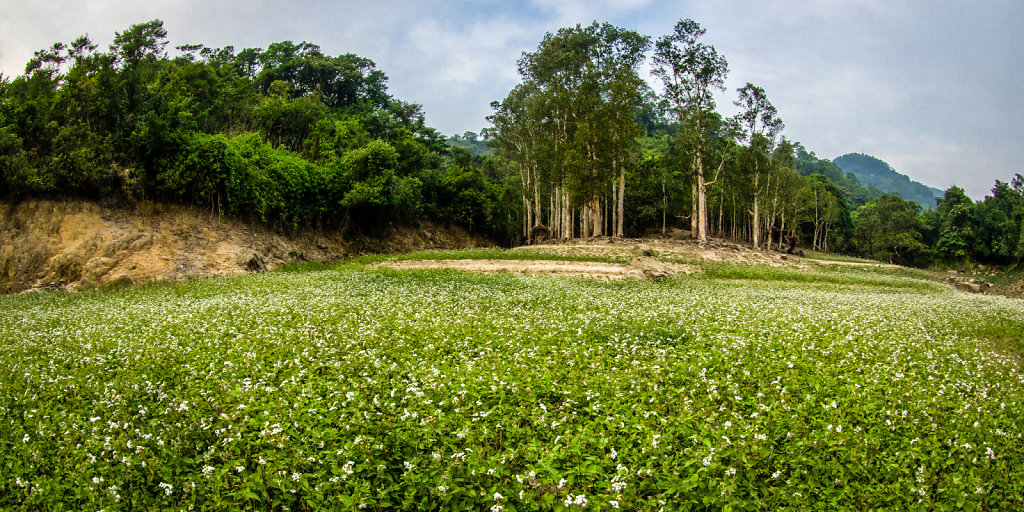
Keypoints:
pixel 956 232
pixel 286 136
pixel 296 139
pixel 596 152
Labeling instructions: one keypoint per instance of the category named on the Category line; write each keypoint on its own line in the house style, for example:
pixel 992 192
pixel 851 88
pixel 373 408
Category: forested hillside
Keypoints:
pixel 598 152
pixel 583 146
pixel 286 136
pixel 877 173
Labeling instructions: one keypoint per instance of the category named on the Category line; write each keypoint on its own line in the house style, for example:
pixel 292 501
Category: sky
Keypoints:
pixel 929 86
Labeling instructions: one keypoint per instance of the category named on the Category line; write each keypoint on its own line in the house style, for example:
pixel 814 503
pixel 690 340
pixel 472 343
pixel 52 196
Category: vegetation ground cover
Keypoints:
pixel 352 387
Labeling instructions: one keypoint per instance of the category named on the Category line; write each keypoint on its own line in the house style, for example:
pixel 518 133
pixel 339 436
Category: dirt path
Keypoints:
pixel 856 263
pixel 666 249
pixel 639 268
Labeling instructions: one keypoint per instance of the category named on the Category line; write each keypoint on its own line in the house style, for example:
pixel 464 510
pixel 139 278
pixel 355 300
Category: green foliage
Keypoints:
pixel 808 164
pixel 287 136
pixel 569 129
pixel 876 173
pixel 472 143
pixel 890 229
pixel 998 223
pixel 16 176
pixel 955 212
pixel 340 387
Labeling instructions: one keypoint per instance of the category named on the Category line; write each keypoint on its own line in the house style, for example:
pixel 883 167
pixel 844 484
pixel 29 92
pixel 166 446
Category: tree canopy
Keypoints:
pixel 286 135
pixel 582 146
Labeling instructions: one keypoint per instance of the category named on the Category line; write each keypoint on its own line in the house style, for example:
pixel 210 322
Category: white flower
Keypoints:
pixel 614 504
pixel 498 497
pixel 168 488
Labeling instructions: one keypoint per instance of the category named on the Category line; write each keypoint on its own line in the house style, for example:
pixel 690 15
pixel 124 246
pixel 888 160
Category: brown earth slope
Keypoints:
pixel 78 244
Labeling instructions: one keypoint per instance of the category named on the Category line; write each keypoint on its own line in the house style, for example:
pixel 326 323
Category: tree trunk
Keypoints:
pixel 771 216
pixel 537 219
pixel 702 203
pixel 584 217
pixel 817 222
pixel 755 232
pixel 569 223
pixel 721 212
pixel 664 206
pixel 527 211
pixel 613 215
pixel 553 213
pixel 693 209
pixel 620 226
pixel 734 234
pixel 782 229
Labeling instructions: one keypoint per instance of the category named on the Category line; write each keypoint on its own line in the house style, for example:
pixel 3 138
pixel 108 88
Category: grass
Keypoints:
pixel 824 256
pixel 345 387
pixel 827 276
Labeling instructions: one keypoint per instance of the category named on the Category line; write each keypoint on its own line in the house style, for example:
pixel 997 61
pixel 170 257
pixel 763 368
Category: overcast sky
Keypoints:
pixel 930 86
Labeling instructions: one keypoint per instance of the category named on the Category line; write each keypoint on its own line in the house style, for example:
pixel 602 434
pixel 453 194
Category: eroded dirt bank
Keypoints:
pixel 48 244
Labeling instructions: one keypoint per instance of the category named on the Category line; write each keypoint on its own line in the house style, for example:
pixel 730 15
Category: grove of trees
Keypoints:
pixel 583 146
pixel 588 136
pixel 286 136
pixel 596 151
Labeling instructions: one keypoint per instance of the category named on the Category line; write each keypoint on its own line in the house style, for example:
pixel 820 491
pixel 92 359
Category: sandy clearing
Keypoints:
pixel 640 268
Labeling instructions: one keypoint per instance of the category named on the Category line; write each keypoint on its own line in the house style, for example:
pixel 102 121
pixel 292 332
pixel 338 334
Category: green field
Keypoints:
pixel 346 387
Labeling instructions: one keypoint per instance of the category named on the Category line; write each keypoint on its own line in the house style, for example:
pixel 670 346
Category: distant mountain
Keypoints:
pixel 471 142
pixel 872 171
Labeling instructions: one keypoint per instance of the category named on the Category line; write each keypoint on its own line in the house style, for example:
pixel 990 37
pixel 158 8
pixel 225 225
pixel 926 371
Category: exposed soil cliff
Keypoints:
pixel 80 244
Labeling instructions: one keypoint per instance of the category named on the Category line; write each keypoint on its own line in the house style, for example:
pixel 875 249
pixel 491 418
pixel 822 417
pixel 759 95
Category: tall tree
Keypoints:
pixel 583 92
pixel 956 226
pixel 889 229
pixel 691 72
pixel 761 123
